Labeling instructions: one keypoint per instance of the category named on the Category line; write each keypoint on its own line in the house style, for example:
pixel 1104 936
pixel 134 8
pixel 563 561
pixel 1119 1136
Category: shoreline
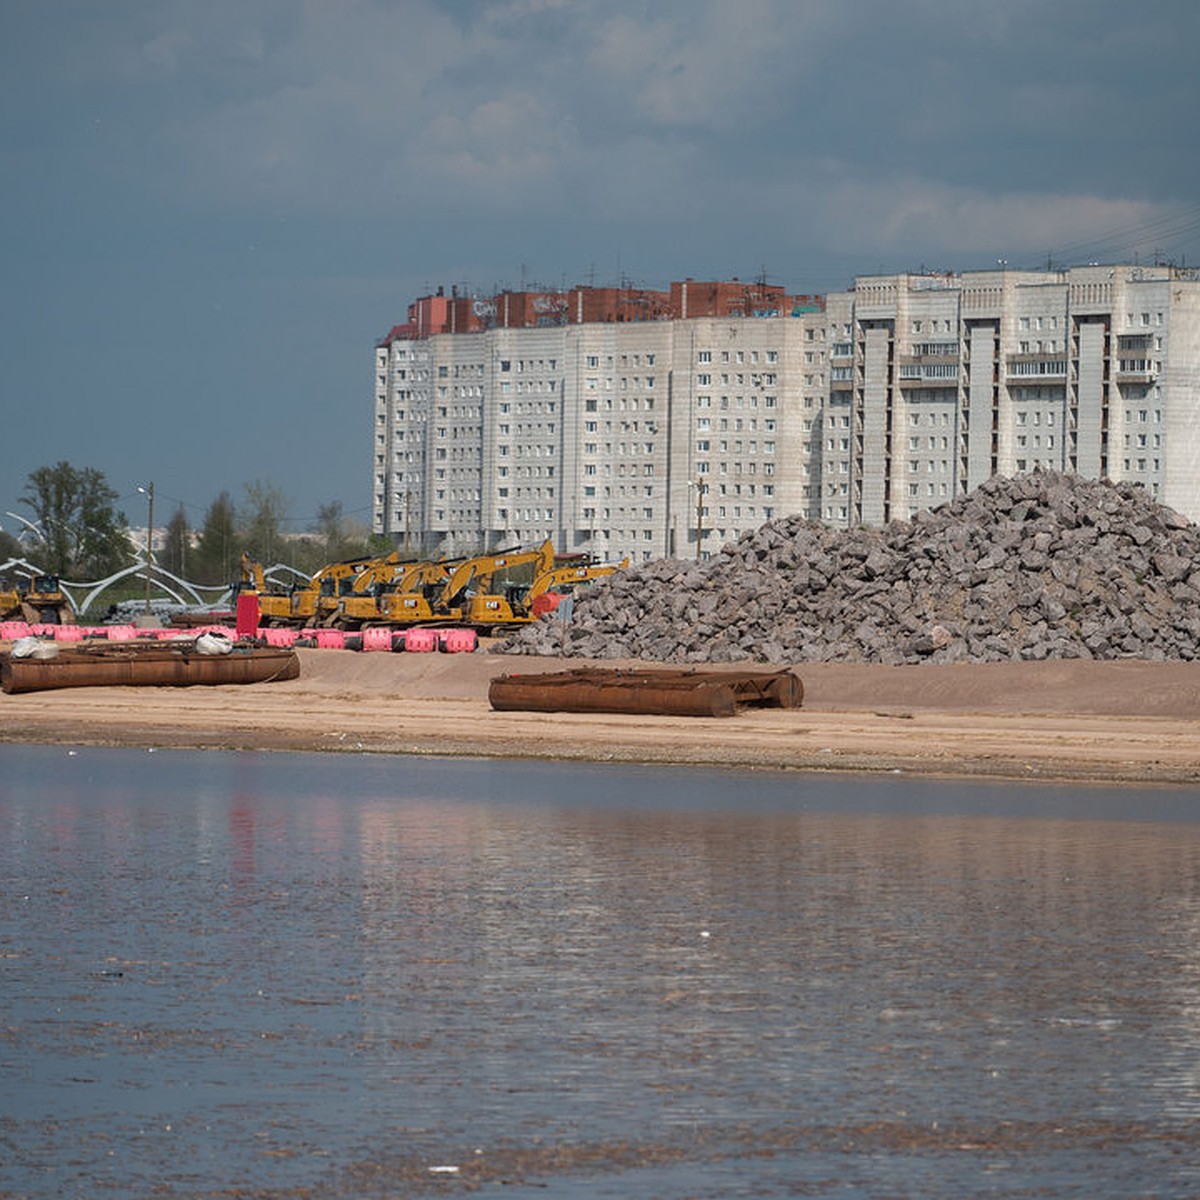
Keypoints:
pixel 1128 722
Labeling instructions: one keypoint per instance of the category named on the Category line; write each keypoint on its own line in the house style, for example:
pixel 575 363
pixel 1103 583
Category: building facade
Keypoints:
pixel 616 425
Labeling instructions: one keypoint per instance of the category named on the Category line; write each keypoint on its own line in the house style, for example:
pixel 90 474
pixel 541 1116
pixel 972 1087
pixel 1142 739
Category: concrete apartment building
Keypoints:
pixel 650 424
pixel 945 380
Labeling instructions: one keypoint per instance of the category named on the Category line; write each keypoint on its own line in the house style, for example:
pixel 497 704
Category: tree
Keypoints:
pixel 216 546
pixel 263 516
pixel 82 536
pixel 340 537
pixel 9 547
pixel 176 539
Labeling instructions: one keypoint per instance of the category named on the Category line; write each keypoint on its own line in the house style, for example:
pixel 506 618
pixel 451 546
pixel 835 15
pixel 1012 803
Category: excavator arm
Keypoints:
pixel 486 567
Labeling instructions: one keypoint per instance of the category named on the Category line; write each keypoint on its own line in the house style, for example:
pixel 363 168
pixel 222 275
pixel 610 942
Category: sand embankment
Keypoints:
pixel 1126 721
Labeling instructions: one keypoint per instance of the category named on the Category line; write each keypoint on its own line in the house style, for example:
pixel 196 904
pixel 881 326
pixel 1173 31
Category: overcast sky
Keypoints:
pixel 211 210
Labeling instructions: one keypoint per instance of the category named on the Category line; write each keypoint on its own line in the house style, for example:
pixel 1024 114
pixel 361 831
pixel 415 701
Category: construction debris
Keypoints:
pixel 1043 566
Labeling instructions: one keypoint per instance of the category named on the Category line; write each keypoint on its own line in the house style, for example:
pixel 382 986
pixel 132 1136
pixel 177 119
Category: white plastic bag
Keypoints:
pixel 213 643
pixel 34 647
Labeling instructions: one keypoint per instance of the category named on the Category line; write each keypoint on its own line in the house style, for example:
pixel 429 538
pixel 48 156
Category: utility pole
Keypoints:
pixel 148 491
pixel 701 488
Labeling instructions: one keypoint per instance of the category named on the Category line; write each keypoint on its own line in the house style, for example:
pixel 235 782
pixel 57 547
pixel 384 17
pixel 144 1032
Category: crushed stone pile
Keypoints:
pixel 1042 566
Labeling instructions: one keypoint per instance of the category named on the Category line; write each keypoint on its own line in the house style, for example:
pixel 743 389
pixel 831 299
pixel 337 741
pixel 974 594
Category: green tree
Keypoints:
pixel 176 537
pixel 82 534
pixel 217 545
pixel 338 536
pixel 10 547
pixel 262 518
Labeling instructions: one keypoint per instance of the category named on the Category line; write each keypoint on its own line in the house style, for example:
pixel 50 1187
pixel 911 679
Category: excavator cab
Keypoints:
pixel 409 600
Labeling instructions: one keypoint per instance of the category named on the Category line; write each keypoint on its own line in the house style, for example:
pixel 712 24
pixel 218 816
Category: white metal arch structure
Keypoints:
pixel 157 576
pixel 271 574
pixel 181 590
pixel 82 593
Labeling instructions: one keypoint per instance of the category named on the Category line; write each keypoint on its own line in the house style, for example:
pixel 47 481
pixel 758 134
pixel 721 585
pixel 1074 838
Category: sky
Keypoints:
pixel 213 209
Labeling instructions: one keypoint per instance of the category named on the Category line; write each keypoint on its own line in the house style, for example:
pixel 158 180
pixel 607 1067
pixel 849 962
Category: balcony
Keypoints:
pixel 929 370
pixel 1035 366
pixel 1136 370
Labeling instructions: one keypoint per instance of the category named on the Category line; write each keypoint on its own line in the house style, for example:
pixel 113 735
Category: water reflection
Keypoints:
pixel 285 972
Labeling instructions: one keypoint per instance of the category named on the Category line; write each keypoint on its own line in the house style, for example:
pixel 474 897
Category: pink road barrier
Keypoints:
pixel 420 641
pixel 377 639
pixel 458 641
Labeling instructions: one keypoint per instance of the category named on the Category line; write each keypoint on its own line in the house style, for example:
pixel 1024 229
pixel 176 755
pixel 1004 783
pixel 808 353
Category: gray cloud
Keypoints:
pixel 300 163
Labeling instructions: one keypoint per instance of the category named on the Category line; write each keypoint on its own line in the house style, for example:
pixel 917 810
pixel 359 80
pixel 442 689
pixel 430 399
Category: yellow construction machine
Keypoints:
pixel 353 601
pixel 274 601
pixel 408 600
pixel 324 585
pixel 40 602
pixel 549 587
pixel 466 594
pixel 491 590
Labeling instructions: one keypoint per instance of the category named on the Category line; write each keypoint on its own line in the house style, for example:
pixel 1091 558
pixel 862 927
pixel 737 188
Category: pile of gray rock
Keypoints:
pixel 1042 566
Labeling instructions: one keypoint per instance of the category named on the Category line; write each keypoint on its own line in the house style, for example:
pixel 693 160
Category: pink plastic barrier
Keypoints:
pixel 377 639
pixel 279 637
pixel 68 633
pixel 11 630
pixel 420 641
pixel 120 633
pixel 458 641
pixel 331 639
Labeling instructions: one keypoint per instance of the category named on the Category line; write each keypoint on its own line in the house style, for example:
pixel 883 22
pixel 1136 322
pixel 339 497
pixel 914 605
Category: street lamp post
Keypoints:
pixel 701 488
pixel 148 492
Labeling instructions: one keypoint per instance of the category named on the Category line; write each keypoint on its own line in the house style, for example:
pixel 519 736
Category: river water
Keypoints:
pixel 337 976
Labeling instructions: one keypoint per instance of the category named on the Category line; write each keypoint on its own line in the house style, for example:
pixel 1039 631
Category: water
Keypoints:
pixel 335 976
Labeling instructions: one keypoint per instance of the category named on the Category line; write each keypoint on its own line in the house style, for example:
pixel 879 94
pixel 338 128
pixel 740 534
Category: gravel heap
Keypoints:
pixel 1042 566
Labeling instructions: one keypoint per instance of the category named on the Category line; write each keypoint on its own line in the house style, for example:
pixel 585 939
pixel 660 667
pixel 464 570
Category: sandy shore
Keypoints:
pixel 1126 722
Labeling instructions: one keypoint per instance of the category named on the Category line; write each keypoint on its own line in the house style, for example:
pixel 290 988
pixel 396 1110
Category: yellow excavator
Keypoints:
pixel 408 598
pixel 41 602
pixel 483 591
pixel 362 603
pixel 352 601
pixel 325 583
pixel 274 602
pixel 467 594
pixel 520 606
pixel 550 587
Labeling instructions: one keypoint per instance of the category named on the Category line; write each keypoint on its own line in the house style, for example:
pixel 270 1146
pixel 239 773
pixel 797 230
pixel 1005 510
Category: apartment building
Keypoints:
pixel 639 438
pixel 568 416
pixel 939 381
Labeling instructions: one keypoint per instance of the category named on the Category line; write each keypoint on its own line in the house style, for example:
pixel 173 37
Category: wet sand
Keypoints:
pixel 1124 722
